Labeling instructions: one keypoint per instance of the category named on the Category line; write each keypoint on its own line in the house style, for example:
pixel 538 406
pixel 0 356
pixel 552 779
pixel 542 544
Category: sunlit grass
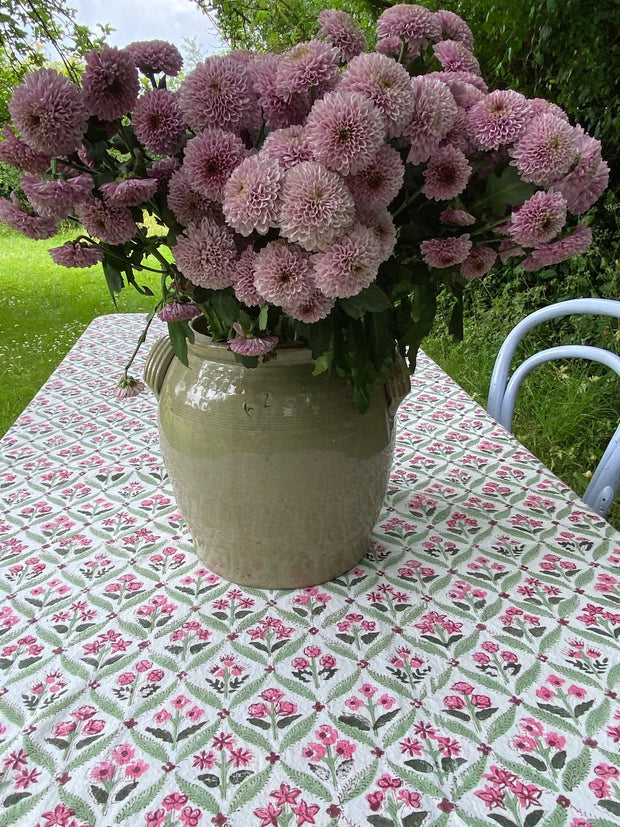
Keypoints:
pixel 43 311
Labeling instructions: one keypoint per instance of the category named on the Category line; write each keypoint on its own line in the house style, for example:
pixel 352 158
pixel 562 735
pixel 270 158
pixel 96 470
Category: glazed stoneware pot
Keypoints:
pixel 278 476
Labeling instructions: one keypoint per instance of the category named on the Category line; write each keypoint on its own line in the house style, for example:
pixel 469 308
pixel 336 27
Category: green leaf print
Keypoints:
pixel 250 788
pixel 307 782
pixel 358 785
pixel 501 725
pixel 298 732
pixel 197 795
pixel 598 717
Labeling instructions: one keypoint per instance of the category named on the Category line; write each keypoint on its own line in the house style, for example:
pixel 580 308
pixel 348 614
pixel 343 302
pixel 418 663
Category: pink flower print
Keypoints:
pixel 83 713
pixel 600 788
pixel 454 702
pixel 223 741
pixel 190 817
pixel 180 702
pixel 386 701
pixel 492 797
pixel 481 701
pixel 576 691
pixel 286 708
pixel 259 711
pixel 63 728
pixel 523 743
pixel 125 679
pixel 409 798
pixel 103 772
pixel 123 754
pixel 354 703
pixel 463 687
pixel 162 716
pixel 174 801
pixel 314 752
pixel 375 800
pixel 195 713
pixel 269 815
pixel 489 646
pixel 606 771
pixel 272 695
pixel 156 818
pixel 300 663
pixel 532 727
pixel 93 727
pixel 448 747
pixel 527 794
pixel 555 740
pixel 500 777
pixel 285 795
pixel 204 760
pixel 345 749
pixel 368 690
pixel 25 778
pixel 389 782
pixel 327 734
pixel 328 661
pixel 411 747
pixel 305 812
pixel 155 676
pixel 544 693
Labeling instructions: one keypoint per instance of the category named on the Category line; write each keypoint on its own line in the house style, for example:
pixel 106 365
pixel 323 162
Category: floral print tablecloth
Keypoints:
pixel 466 673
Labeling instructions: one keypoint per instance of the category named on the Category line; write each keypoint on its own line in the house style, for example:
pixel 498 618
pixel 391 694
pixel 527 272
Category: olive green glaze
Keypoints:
pixel 279 478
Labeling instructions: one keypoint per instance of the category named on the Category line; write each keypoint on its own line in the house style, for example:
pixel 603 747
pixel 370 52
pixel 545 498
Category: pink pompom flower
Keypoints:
pixel 317 207
pixel 110 224
pixel 446 252
pixel 455 28
pixel 539 219
pixel 546 150
pixel 50 112
pixel 215 94
pixel 379 184
pixel 155 56
pixel 554 252
pixel 21 155
pixel 455 57
pixel 243 279
pixel 210 158
pixel 207 255
pixel 348 265
pixel 76 254
pixel 446 174
pixel 307 65
pixel 433 117
pixel 251 345
pixel 282 273
pixel 130 192
pixel 311 308
pixel 499 118
pixel 188 205
pixel 345 131
pixel 158 122
pixel 177 311
pixel 56 197
pixel 415 24
pixel 110 82
pixel 340 28
pixel 289 146
pixel 32 226
pixel 252 195
pixel 478 263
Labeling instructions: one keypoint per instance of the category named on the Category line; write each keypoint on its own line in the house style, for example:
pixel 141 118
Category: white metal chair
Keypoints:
pixel 502 394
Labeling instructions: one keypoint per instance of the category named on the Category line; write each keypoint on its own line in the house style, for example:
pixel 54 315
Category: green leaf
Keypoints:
pixel 78 805
pixel 501 725
pixel 505 190
pixel 307 782
pixel 140 802
pixel 527 678
pixel 179 333
pixel 114 279
pixel 371 299
pixel 197 795
pixel 471 777
pixel 249 788
pixel 598 717
pixel 298 732
pixel 250 734
pixel 576 770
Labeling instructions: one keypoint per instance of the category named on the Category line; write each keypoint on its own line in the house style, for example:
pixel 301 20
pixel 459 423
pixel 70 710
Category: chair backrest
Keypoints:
pixel 502 393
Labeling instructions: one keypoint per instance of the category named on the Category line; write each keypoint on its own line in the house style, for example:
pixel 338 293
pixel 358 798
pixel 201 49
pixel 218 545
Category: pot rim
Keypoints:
pixel 282 355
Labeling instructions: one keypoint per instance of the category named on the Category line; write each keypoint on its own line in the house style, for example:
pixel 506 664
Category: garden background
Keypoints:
pixel 567 51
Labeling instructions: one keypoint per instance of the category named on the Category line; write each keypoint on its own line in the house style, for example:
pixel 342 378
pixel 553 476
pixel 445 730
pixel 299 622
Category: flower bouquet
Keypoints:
pixel 323 196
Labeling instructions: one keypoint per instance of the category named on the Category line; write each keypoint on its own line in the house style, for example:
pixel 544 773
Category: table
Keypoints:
pixel 466 673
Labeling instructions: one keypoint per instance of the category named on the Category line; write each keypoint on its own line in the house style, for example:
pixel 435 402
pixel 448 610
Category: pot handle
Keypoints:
pixel 397 385
pixel 157 363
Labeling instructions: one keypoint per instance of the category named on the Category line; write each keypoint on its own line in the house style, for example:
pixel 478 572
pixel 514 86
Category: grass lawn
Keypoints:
pixel 44 310
pixel 565 412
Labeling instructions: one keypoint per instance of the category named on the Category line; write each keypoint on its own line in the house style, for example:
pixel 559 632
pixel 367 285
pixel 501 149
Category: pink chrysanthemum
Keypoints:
pixel 455 28
pixel 288 147
pixel 207 255
pixel 539 219
pixel 381 223
pixel 317 207
pixel 112 225
pixel 348 265
pixel 311 309
pixel 50 113
pixel 546 150
pixel 446 252
pixel 176 311
pixel 459 137
pixel 130 192
pixel 162 171
pixel 386 84
pixel 279 111
pixel 340 28
pixel 282 273
pixel 21 155
pixel 499 118
pixel 345 132
pixel 56 198
pixel 210 158
pixel 454 57
pixel 155 56
pixel 460 218
pixel 554 252
pixel 189 206
pixel 581 200
pixel 76 254
pixel 128 387
pixel 415 24
pixel 251 345
pixel 540 106
pixel 110 82
pixel 32 226
pixel 158 122
pixel 306 65
pixel 447 174
pixel 478 262
pixel 379 184
pixel 433 117
pixel 215 94
pixel 243 279
pixel 252 195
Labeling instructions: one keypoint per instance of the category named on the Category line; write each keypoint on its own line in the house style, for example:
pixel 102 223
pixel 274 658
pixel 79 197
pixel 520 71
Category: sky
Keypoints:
pixel 132 20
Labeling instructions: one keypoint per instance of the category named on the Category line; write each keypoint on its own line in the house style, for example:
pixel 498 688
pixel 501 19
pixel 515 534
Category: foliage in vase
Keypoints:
pixel 324 196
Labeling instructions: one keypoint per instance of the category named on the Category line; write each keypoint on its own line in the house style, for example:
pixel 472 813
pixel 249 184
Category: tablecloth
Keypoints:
pixel 465 673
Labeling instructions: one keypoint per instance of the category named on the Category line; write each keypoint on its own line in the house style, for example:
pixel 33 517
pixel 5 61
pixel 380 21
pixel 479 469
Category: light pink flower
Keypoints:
pixel 155 56
pixel 251 346
pixel 176 311
pixel 188 205
pixel 32 226
pixel 113 225
pixel 546 150
pixel 455 28
pixel 414 23
pixel 206 255
pixel 56 198
pixel 460 218
pixel 128 387
pixel 252 195
pixel 348 265
pixel 433 117
pixel 50 113
pixel 446 174
pixel 584 184
pixel 243 279
pixel 288 146
pixel 554 252
pixel 110 82
pixel 445 252
pixel 130 192
pixel 478 262
pixel 380 182
pixel 539 219
pixel 306 65
pixel 76 254
pixel 311 308
pixel 386 84
pixel 499 118
pixel 215 94
pixel 340 28
pixel 380 221
pixel 210 158
pixel 455 57
pixel 317 207
pixel 282 273
pixel 158 122
pixel 19 154
pixel 278 111
pixel 344 131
